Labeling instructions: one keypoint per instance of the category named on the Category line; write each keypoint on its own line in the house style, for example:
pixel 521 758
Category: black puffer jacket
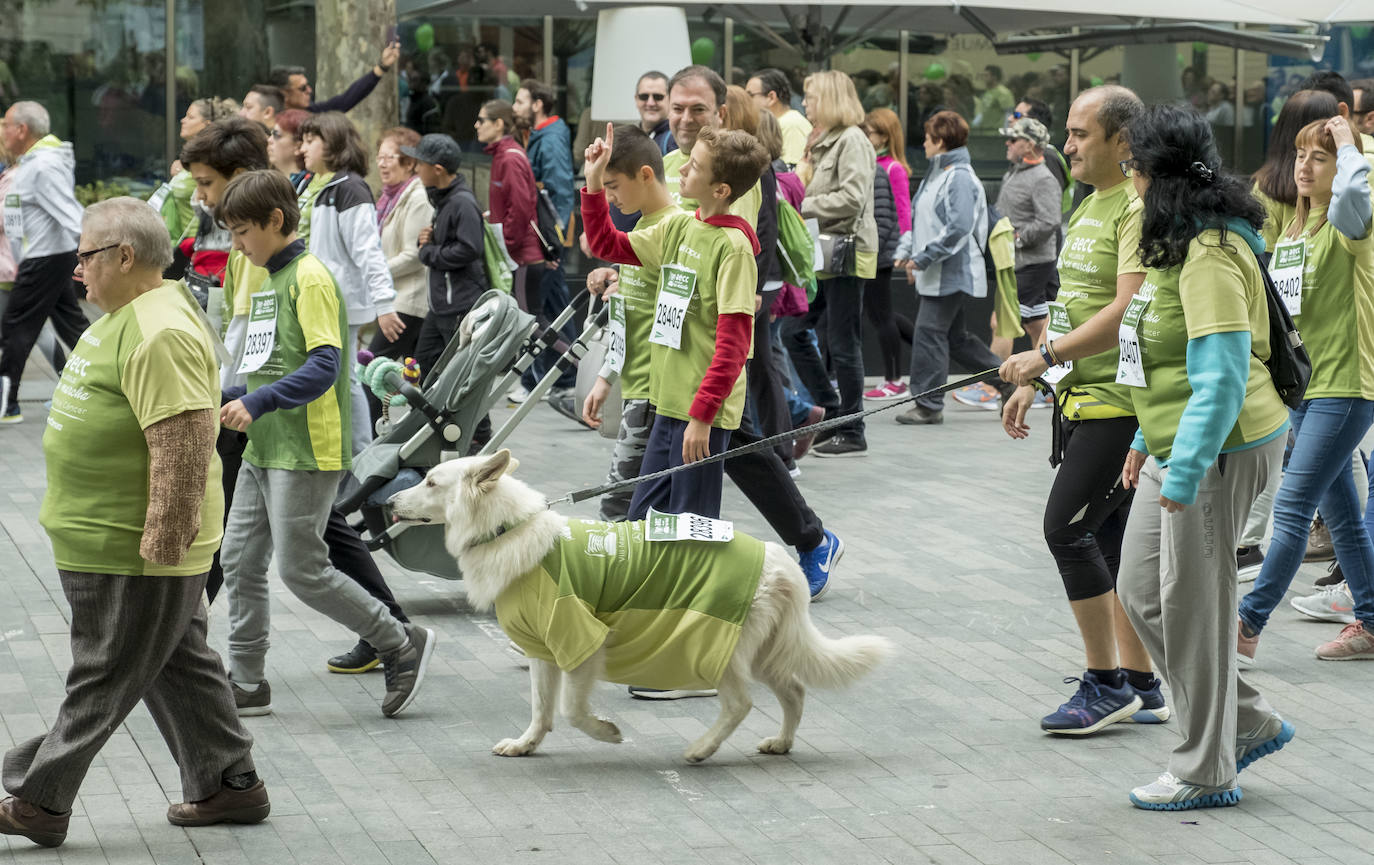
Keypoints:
pixel 454 255
pixel 885 214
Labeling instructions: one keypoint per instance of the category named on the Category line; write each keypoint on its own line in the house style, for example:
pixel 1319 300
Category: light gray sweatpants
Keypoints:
pixel 1178 585
pixel 288 510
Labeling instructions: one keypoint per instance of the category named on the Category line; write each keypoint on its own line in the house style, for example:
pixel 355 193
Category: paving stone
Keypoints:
pixel 937 758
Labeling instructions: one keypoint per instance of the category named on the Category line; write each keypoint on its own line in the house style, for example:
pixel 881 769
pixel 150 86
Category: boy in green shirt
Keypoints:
pixel 633 181
pixel 295 410
pixel 704 317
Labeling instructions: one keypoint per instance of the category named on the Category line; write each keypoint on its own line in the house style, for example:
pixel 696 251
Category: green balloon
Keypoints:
pixel 1095 81
pixel 1199 46
pixel 934 72
pixel 1033 57
pixel 704 51
pixel 424 37
pixel 1361 32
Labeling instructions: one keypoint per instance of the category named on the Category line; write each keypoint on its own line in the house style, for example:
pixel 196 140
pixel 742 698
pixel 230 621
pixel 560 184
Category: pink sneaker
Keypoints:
pixel 1353 644
pixel 888 390
pixel 1245 646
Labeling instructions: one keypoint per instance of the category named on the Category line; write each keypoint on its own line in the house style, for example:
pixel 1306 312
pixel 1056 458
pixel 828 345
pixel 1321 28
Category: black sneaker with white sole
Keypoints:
pixel 1249 561
pixel 842 444
pixel 405 669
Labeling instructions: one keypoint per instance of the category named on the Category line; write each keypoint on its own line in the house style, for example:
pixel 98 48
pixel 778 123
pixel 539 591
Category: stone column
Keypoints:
pixel 349 37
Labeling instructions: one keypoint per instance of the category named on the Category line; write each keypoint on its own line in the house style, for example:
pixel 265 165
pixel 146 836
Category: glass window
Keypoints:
pixel 100 72
pixel 452 64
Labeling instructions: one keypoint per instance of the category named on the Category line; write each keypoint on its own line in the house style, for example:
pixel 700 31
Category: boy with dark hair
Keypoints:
pixel 704 317
pixel 295 410
pixel 215 156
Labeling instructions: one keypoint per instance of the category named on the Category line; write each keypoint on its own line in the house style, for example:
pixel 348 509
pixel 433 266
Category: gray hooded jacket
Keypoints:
pixel 43 192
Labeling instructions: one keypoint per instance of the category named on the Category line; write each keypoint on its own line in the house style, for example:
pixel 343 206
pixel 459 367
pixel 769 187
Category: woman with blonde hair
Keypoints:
pixel 839 196
pixel 740 111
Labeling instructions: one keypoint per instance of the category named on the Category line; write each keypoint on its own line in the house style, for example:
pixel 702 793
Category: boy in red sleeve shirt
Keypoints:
pixel 704 316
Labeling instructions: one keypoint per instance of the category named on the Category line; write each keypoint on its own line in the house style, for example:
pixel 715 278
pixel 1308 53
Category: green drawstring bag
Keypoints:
pixel 1002 248
pixel 796 249
pixel 498 262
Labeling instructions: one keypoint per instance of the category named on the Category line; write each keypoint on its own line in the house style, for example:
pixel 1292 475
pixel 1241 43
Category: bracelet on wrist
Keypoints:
pixel 1045 354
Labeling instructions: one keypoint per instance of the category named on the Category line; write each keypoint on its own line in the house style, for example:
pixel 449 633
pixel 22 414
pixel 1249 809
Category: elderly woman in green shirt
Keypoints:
pixel 1193 341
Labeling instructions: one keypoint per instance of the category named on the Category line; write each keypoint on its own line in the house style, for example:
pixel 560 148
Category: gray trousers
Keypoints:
pixel 1178 585
pixel 135 638
pixel 288 510
pixel 1262 511
pixel 636 422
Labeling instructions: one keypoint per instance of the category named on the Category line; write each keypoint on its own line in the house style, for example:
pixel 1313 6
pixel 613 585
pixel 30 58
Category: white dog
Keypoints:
pixel 500 531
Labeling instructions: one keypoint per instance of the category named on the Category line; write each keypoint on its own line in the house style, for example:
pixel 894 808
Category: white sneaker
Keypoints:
pixel 517 394
pixel 1331 604
pixel 1170 794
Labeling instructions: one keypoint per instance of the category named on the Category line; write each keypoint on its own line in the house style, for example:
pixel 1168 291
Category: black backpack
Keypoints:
pixel 1288 363
pixel 546 226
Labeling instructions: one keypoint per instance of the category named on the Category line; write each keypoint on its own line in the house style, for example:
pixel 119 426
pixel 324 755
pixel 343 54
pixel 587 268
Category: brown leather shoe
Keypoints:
pixel 226 806
pixel 18 817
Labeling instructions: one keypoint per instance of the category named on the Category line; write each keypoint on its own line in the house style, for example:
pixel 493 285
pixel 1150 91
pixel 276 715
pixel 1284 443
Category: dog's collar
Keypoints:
pixel 500 530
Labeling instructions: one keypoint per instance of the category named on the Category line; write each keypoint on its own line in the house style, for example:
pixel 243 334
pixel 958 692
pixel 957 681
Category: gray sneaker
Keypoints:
pixel 919 414
pixel 252 703
pixel 405 668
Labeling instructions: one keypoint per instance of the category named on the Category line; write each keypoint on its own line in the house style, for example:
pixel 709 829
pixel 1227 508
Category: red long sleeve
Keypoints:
pixel 733 334
pixel 605 240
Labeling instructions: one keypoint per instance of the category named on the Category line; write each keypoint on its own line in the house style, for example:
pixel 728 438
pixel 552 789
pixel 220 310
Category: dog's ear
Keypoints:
pixel 489 472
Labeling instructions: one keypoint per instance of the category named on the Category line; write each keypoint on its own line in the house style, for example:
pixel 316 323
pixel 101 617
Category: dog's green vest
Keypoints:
pixel 669 612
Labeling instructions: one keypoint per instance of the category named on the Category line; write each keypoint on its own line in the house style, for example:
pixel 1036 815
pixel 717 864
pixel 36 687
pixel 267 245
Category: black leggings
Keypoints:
pixel 893 329
pixel 1085 517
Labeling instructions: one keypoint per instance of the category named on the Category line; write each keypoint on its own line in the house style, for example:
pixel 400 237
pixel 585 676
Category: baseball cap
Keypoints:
pixel 438 149
pixel 1026 127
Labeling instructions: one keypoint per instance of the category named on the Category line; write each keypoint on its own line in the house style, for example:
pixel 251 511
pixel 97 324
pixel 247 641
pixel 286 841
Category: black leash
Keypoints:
pixel 766 443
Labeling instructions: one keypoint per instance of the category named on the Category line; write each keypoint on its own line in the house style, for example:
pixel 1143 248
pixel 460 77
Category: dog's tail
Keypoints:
pixel 800 650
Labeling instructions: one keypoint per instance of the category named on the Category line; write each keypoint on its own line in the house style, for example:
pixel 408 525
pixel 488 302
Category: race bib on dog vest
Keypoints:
pixel 261 335
pixel 676 286
pixel 1286 270
pixel 1130 370
pixel 687 527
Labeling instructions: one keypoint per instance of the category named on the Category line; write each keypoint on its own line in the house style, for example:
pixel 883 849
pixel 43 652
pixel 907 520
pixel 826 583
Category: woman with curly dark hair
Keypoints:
pixel 1193 342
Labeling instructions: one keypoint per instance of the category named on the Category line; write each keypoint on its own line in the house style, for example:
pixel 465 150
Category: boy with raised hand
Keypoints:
pixel 633 182
pixel 704 313
pixel 633 179
pixel 295 410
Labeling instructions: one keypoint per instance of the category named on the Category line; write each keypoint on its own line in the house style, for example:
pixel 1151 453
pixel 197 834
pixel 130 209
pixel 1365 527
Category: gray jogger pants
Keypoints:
pixel 636 422
pixel 1178 585
pixel 288 510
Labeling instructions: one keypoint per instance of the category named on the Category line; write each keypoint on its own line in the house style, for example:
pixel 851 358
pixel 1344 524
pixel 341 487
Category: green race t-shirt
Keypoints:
pixel 1277 216
pixel 309 313
pixel 1337 317
pixel 176 209
pixel 638 291
pixel 1218 289
pixel 1102 243
pixel 669 612
pixel 306 203
pixel 746 206
pixel 149 360
pixel 717 266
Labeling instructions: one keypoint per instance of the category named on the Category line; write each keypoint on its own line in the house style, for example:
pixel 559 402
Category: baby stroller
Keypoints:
pixel 495 344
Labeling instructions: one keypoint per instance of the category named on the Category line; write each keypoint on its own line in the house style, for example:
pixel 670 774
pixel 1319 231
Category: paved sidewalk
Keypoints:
pixel 936 758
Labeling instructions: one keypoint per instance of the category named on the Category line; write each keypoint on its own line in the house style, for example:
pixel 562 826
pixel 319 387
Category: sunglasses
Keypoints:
pixel 645 97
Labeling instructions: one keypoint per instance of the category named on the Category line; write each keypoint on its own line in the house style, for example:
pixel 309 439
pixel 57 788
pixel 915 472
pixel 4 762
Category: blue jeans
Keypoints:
pixel 799 402
pixel 1327 431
